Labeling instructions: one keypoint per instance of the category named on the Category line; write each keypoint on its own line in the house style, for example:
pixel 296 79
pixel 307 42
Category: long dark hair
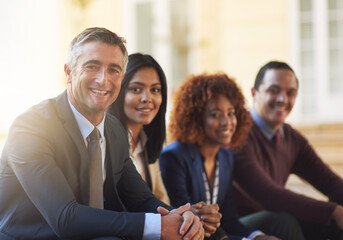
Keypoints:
pixel 156 130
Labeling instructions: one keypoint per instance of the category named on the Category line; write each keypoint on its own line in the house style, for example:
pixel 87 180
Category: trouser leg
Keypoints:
pixel 279 224
pixel 318 231
pixel 107 238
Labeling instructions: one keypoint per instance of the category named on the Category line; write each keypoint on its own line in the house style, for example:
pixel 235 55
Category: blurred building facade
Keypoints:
pixel 186 37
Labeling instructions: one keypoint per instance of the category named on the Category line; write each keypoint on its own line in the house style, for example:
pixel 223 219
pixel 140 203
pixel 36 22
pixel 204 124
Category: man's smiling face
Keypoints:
pixel 94 83
pixel 275 97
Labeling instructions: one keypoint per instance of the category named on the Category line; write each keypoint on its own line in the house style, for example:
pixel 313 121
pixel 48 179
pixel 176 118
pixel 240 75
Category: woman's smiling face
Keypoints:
pixel 219 121
pixel 143 97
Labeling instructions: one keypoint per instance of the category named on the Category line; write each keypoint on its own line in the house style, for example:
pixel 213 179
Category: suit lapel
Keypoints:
pixel 114 165
pixel 69 122
pixel 197 167
pixel 225 174
pixel 110 135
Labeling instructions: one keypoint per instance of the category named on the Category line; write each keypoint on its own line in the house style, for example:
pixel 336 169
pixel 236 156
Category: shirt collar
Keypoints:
pixel 265 128
pixel 143 138
pixel 86 127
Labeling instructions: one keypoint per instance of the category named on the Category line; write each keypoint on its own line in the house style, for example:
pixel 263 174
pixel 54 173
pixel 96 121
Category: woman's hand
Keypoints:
pixel 209 216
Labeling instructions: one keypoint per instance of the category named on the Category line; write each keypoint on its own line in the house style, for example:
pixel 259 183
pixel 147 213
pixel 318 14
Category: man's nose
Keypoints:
pixel 281 97
pixel 102 75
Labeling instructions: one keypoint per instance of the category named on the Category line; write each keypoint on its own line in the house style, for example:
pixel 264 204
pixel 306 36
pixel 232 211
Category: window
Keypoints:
pixel 306 57
pixel 319 57
pixel 335 26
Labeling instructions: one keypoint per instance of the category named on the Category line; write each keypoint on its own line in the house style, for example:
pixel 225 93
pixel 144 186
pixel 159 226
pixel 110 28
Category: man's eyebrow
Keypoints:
pixel 116 66
pixel 99 63
pixel 274 86
pixel 91 62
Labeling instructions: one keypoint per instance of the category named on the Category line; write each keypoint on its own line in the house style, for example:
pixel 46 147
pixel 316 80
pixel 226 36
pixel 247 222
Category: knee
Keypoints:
pixel 284 217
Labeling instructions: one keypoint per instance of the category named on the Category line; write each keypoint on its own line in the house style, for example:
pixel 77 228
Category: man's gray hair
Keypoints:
pixel 95 34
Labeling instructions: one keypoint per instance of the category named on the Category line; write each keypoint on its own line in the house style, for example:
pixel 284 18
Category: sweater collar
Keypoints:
pixel 265 128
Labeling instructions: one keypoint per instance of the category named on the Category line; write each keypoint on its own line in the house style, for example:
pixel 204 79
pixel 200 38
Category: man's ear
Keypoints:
pixel 67 72
pixel 253 92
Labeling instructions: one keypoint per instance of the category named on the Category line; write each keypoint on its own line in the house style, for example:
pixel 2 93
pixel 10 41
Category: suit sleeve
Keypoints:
pixel 31 156
pixel 138 196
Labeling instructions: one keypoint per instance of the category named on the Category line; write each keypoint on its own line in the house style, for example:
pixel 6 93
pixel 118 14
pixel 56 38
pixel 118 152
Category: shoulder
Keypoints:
pixel 175 150
pixel 288 129
pixel 176 146
pixel 224 152
pixel 295 136
pixel 226 155
pixel 113 125
pixel 35 129
pixel 111 119
pixel 40 117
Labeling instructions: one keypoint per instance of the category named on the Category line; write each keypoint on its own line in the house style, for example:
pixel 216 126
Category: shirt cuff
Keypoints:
pixel 152 227
pixel 255 234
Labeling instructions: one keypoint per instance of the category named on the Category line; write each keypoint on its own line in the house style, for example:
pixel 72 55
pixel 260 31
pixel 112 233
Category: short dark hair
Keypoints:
pixel 156 130
pixel 271 65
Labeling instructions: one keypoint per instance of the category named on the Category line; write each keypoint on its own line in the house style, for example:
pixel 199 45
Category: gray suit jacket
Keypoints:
pixel 44 180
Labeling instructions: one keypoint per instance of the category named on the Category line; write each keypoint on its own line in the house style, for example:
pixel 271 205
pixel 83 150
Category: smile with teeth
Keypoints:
pixel 281 109
pixel 96 91
pixel 225 132
pixel 144 110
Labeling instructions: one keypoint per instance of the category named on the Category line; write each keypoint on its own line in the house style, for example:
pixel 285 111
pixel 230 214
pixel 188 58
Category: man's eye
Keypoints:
pixel 91 67
pixel 273 91
pixel 113 70
pixel 292 94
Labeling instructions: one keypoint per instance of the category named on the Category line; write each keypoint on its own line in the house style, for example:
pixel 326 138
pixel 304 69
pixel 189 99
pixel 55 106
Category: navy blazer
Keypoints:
pixel 181 166
pixel 44 180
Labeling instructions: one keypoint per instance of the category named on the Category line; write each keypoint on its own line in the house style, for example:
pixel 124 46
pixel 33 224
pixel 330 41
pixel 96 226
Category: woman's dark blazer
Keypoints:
pixel 181 167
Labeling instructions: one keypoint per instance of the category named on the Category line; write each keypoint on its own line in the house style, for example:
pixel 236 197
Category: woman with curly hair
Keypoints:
pixel 208 118
pixel 141 108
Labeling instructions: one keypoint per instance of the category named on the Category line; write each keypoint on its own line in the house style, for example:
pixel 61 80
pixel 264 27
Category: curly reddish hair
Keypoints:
pixel 186 121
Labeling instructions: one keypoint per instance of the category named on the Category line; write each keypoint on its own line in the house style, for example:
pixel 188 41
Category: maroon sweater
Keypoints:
pixel 262 168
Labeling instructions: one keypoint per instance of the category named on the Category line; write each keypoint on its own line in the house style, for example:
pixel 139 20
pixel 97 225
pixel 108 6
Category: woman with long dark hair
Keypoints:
pixel 141 108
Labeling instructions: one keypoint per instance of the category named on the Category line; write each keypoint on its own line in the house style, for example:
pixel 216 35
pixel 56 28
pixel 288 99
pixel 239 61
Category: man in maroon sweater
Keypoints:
pixel 274 150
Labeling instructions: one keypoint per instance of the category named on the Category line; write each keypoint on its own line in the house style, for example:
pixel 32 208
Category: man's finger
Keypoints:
pixel 182 209
pixel 188 219
pixel 163 211
pixel 199 235
pixel 195 231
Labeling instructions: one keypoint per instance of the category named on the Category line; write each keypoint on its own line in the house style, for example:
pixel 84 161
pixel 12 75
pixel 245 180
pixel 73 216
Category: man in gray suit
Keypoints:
pixel 45 183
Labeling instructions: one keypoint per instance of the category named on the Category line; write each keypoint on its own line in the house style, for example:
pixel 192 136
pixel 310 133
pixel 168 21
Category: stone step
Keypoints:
pixel 327 140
